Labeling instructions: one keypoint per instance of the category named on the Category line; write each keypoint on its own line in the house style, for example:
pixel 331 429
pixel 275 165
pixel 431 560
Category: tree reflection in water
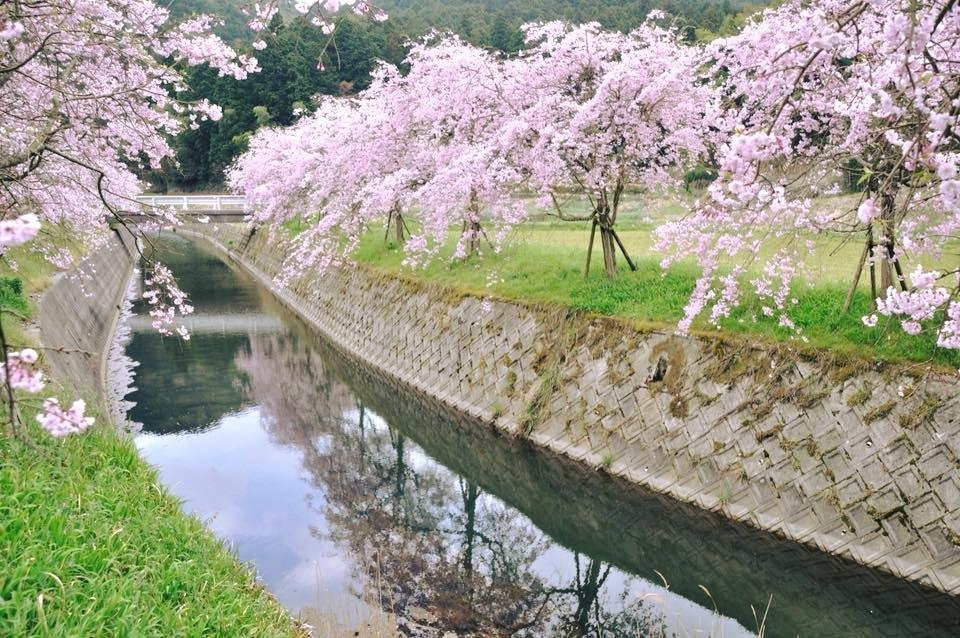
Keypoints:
pixel 431 547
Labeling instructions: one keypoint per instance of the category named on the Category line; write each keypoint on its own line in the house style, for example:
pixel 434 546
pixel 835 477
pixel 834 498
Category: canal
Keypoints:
pixel 363 505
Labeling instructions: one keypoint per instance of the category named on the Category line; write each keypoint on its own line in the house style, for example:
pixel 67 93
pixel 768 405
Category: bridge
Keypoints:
pixel 219 208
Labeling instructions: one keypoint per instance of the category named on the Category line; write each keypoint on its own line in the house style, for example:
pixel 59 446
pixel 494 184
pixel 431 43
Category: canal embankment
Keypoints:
pixel 78 315
pixel 854 458
pixel 91 542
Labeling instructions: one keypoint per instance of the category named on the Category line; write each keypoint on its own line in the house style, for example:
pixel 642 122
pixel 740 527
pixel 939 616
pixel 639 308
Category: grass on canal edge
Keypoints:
pixel 543 262
pixel 92 544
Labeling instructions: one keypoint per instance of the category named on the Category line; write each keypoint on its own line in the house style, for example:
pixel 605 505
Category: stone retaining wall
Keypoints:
pixel 79 312
pixel 815 448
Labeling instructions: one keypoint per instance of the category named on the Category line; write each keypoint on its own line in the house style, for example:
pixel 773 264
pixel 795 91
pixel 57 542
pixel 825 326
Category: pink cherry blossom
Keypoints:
pixel 867 211
pixel 18 231
pixel 59 422
pixel 166 301
pixel 22 371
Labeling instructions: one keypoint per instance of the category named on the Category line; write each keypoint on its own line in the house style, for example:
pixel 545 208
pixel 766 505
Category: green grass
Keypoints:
pixel 92 545
pixel 543 262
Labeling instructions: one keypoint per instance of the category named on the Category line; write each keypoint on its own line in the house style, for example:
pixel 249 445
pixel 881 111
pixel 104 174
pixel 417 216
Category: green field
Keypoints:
pixel 543 261
pixel 93 545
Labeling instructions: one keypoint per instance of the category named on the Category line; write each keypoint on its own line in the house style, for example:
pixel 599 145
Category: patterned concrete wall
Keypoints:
pixel 79 311
pixel 814 448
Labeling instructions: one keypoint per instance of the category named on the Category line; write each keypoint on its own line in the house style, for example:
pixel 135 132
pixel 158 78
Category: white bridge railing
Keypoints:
pixel 197 203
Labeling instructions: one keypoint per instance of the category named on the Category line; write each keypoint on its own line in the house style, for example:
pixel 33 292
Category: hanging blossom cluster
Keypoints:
pixel 463 132
pixel 260 14
pixel 167 301
pixel 822 94
pixel 14 232
pixel 22 371
pixel 59 422
pixel 920 304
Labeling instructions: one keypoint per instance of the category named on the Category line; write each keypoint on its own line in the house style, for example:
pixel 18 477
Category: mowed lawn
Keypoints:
pixel 543 261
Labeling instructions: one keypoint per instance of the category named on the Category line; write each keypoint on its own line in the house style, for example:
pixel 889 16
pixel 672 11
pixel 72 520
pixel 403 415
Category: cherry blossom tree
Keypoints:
pixel 309 172
pixel 89 93
pixel 446 112
pixel 416 140
pixel 84 99
pixel 817 94
pixel 592 112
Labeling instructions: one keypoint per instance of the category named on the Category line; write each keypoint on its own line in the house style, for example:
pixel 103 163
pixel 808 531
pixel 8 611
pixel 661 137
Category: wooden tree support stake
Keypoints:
pixel 593 234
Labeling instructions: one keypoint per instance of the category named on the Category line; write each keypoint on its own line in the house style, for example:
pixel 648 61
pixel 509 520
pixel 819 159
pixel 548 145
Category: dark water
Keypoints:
pixel 350 495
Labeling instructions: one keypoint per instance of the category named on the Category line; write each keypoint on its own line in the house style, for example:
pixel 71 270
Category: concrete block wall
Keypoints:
pixel 79 312
pixel 813 448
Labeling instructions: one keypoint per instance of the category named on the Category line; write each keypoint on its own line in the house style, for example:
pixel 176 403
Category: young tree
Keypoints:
pixel 591 112
pixel 811 90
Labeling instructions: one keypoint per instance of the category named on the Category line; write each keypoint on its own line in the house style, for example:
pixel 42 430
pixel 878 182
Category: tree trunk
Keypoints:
pixel 471 225
pixel 470 496
pixel 400 477
pixel 395 222
pixel 609 251
pixel 603 218
pixel 867 248
pixel 398 227
pixel 886 258
pixel 593 235
pixel 473 232
pixel 609 241
pixel 587 593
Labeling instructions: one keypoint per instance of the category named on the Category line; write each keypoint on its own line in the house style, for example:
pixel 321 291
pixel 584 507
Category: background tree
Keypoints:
pixel 287 86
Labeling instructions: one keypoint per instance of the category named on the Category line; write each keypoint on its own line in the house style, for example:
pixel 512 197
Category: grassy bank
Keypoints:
pixel 92 544
pixel 543 261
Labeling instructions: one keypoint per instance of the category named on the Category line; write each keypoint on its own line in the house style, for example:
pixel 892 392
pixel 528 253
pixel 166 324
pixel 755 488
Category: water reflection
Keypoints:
pixel 429 546
pixel 350 494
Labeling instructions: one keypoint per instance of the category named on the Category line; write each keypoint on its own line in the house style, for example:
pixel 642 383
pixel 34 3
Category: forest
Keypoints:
pixel 290 75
